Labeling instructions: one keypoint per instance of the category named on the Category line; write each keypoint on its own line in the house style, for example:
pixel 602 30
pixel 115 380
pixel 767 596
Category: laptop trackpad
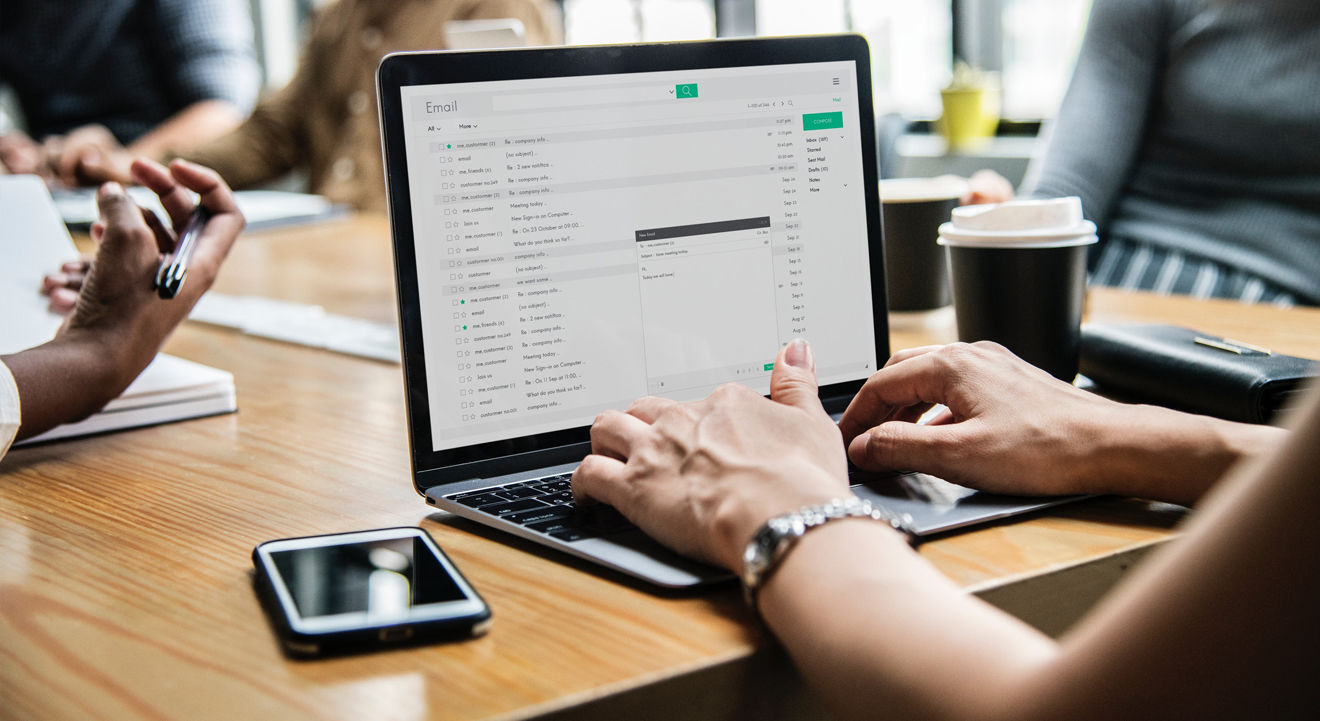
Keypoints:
pixel 633 551
pixel 938 505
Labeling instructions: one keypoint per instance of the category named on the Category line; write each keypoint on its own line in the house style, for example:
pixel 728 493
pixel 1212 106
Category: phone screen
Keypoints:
pixel 379 579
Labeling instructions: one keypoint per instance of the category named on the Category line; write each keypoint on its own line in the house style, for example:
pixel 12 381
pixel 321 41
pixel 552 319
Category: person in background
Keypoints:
pixel 119 323
pixel 324 121
pixel 1217 625
pixel 1191 132
pixel 102 81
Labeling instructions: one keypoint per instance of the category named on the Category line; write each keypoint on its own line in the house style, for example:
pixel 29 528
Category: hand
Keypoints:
pixel 1009 427
pixel 987 186
pixel 19 154
pixel 701 477
pixel 119 323
pixel 87 156
pixel 117 302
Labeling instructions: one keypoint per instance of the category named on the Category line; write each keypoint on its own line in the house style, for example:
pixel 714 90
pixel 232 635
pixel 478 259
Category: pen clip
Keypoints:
pixel 174 268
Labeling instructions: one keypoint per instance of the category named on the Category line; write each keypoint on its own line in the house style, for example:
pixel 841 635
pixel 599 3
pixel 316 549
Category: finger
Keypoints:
pixel 174 198
pixel 649 408
pixel 118 212
pixel 55 281
pixel 599 478
pixel 913 381
pixel 70 161
pixel 165 240
pixel 215 194
pixel 615 434
pixel 79 267
pixel 226 220
pixel 907 353
pixel 92 168
pixel 793 380
pixel 910 447
pixel 63 301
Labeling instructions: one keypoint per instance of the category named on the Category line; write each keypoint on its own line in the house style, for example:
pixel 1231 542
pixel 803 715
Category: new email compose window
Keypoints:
pixel 582 241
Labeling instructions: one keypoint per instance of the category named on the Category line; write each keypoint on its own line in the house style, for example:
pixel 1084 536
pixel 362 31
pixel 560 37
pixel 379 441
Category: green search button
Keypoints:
pixel 821 121
pixel 769 366
pixel 685 90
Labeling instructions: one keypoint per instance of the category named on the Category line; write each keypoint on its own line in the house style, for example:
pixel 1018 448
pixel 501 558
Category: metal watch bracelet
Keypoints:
pixel 773 540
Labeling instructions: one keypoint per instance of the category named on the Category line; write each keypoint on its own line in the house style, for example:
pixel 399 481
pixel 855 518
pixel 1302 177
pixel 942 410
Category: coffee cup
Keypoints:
pixel 916 273
pixel 1018 274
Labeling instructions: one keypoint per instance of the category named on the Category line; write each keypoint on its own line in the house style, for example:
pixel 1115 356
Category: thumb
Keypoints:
pixel 793 381
pixel 117 211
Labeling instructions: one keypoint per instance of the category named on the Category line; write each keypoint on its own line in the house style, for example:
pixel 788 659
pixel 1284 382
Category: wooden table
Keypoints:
pixel 124 559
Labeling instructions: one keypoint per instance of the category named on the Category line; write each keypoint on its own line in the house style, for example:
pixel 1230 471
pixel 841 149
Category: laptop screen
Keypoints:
pixel 583 240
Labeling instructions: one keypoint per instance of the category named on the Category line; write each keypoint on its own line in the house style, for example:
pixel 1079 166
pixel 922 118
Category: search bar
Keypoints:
pixel 599 96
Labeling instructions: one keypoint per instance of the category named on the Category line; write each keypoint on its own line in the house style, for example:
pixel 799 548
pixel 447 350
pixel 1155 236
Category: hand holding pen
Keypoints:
pixel 119 321
pixel 177 188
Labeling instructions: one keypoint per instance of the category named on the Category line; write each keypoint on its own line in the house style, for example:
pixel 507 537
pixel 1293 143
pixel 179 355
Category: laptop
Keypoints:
pixel 577 227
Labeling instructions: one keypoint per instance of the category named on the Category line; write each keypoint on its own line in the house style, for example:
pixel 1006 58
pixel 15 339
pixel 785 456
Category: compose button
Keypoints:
pixel 685 90
pixel 822 121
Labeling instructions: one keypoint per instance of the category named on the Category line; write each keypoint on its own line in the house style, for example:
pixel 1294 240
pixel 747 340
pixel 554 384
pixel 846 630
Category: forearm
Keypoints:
pixel 65 380
pixel 880 633
pixel 1087 153
pixel 1162 454
pixel 192 126
pixel 271 142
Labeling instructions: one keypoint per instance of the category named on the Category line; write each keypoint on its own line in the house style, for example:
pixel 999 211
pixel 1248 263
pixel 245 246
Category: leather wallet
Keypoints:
pixel 1197 372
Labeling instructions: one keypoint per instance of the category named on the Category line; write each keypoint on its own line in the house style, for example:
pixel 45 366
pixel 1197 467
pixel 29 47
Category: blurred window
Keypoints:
pixel 1032 43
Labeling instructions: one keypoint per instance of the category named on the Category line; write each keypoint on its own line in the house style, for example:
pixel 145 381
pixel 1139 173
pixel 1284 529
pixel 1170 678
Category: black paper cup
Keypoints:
pixel 916 272
pixel 1026 297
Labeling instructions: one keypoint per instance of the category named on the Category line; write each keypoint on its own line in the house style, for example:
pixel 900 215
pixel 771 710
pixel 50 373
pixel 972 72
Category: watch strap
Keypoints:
pixel 777 536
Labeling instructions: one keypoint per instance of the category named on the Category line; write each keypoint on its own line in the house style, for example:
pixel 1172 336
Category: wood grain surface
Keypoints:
pixel 125 588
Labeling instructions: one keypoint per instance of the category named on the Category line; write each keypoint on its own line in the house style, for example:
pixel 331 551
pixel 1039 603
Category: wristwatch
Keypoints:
pixel 775 537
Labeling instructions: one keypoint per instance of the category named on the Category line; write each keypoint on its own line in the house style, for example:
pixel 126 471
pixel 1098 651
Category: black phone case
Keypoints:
pixel 367 639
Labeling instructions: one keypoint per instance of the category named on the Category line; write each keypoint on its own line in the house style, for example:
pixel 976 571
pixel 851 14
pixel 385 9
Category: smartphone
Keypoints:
pixel 365 590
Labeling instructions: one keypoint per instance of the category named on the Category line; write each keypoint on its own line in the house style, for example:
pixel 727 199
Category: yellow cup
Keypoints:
pixel 970 116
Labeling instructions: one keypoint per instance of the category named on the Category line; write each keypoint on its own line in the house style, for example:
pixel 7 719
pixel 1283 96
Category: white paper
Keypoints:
pixel 33 243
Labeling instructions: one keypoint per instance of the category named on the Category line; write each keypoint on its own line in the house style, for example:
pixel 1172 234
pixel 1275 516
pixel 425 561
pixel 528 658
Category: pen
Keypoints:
pixel 174 269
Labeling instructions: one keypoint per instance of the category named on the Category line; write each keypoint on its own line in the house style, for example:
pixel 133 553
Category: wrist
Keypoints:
pixel 742 515
pixel 105 359
pixel 1163 454
pixel 771 544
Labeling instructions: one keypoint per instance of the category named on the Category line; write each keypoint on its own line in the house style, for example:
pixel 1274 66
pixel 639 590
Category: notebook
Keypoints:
pixel 33 243
pixel 577 227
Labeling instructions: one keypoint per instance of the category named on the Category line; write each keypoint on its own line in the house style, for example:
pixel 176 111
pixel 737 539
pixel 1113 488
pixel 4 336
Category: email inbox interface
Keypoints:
pixel 584 241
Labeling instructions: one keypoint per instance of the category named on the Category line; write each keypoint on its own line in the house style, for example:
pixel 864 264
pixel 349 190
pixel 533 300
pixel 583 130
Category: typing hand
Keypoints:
pixel 1009 427
pixel 701 477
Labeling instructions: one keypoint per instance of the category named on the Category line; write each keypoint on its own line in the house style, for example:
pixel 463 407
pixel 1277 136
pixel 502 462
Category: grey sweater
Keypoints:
pixel 1194 125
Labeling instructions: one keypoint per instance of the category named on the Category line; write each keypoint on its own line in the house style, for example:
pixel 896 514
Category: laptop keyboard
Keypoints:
pixel 545 505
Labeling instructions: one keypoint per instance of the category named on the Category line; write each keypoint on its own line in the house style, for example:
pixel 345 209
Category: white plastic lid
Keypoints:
pixel 1056 222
